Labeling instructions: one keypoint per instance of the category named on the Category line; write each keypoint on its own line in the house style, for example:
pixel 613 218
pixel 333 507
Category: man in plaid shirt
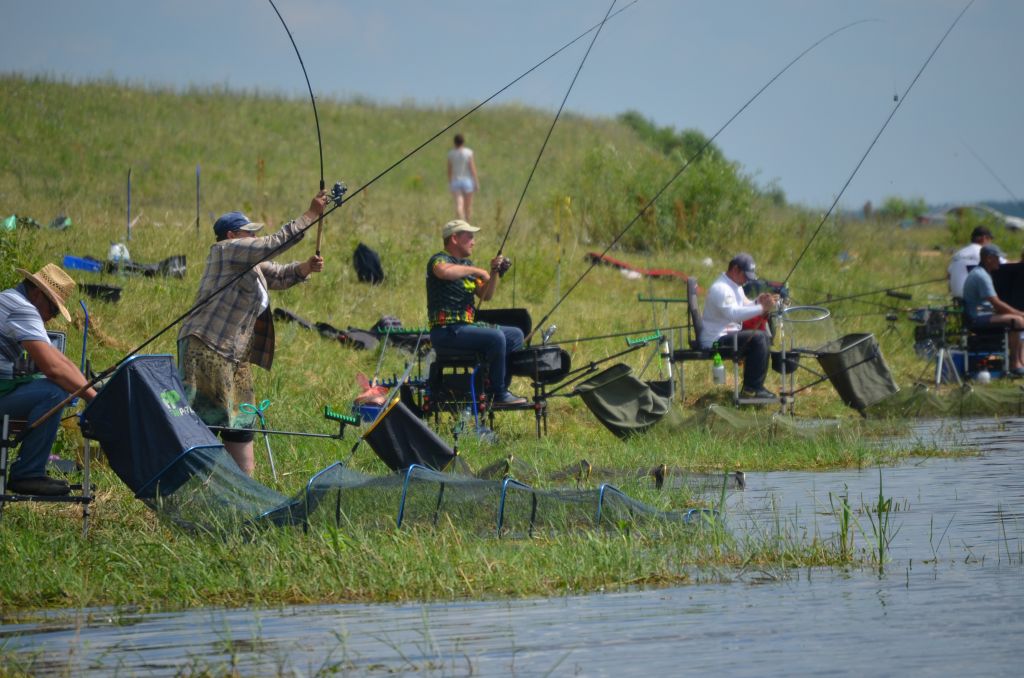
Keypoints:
pixel 217 342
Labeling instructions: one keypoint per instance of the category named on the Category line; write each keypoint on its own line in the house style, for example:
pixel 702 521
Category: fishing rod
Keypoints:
pixel 551 129
pixel 337 197
pixel 616 335
pixel 866 302
pixel 892 113
pixel 685 166
pixel 316 117
pixel 889 291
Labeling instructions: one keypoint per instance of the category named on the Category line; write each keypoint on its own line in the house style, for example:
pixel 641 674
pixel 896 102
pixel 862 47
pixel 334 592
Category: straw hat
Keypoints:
pixel 54 283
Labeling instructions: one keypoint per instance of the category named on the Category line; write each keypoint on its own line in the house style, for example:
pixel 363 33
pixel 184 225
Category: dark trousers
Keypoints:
pixel 752 346
pixel 29 402
pixel 495 342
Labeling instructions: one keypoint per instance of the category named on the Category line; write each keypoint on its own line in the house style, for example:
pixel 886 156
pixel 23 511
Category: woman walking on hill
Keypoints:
pixel 462 179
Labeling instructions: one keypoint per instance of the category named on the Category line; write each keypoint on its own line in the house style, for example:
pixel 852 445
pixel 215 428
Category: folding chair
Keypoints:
pixel 457 378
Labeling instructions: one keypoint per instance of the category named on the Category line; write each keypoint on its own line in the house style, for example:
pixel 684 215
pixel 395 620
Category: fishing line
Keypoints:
pixel 474 109
pixel 552 128
pixel 682 169
pixel 875 140
pixel 337 203
pixel 990 171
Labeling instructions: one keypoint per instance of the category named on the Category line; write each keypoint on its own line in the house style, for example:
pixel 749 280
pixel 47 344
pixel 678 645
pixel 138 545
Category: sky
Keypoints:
pixel 956 136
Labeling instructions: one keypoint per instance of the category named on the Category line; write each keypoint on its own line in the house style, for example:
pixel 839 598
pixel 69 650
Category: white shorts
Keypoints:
pixel 464 185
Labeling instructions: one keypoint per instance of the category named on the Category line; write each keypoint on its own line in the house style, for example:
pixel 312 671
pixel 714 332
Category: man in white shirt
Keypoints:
pixel 35 376
pixel 725 309
pixel 965 259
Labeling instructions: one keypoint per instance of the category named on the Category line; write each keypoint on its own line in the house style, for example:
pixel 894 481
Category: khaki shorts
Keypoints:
pixel 214 385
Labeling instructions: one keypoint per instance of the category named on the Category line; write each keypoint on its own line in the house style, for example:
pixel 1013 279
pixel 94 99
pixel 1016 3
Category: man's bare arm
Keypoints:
pixel 57 367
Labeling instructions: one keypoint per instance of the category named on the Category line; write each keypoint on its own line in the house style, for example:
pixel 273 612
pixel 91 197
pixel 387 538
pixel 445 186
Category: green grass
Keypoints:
pixel 67 150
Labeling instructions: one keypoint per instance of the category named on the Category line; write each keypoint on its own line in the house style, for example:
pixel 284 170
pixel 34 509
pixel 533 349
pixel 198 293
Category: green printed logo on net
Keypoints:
pixel 174 403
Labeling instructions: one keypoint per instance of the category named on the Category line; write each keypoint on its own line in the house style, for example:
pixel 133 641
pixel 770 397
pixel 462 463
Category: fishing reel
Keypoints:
pixel 933 328
pixel 753 288
pixel 504 263
pixel 338 193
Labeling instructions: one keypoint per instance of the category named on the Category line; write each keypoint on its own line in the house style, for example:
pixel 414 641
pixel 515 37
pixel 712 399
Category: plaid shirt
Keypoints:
pixel 230 323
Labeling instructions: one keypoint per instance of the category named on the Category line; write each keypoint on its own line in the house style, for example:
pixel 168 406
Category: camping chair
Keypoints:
pixel 989 348
pixel 456 377
pixel 728 351
pixel 10 429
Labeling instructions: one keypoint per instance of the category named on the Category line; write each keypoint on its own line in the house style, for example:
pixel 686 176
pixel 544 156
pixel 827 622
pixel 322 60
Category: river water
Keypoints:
pixel 949 602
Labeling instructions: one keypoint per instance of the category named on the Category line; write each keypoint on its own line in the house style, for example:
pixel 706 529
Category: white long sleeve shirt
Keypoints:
pixel 725 309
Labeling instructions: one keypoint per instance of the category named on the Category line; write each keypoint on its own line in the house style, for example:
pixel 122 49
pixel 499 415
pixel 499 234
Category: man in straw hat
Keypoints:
pixel 217 343
pixel 35 376
pixel 452 282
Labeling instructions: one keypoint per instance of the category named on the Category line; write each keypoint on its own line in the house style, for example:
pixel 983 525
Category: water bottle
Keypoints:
pixel 117 253
pixel 718 370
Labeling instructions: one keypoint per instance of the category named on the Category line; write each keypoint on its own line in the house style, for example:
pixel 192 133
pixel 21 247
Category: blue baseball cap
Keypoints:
pixel 234 221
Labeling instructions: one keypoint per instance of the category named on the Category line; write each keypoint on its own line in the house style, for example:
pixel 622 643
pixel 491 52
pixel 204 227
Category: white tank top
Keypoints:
pixel 459 158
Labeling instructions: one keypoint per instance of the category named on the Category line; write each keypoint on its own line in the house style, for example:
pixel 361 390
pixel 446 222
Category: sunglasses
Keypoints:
pixel 54 309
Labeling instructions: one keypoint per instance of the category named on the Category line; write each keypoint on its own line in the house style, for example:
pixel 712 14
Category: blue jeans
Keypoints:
pixel 29 402
pixel 495 342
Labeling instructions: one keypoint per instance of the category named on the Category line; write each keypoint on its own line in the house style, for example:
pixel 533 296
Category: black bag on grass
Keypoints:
pixel 368 266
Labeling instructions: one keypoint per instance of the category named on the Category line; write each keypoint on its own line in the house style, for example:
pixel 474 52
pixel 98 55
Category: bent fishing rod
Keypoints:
pixel 892 113
pixel 337 197
pixel 685 166
pixel 316 118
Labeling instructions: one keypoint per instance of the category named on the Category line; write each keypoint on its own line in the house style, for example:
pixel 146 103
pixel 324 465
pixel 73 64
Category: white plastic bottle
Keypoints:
pixel 718 370
pixel 118 252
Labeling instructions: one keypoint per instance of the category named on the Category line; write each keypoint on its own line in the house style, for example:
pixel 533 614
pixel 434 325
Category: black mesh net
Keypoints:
pixel 159 447
pixel 964 401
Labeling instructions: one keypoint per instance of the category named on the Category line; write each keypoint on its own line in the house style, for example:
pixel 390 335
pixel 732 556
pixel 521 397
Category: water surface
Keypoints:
pixel 949 602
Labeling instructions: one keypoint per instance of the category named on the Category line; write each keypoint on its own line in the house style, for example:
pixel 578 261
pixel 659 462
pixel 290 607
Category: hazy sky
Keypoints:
pixel 679 62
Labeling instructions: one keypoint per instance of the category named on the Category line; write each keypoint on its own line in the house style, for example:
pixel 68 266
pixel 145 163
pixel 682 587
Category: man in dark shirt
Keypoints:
pixel 983 308
pixel 452 283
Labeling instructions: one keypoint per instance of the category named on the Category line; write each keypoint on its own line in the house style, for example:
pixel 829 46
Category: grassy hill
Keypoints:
pixel 68 148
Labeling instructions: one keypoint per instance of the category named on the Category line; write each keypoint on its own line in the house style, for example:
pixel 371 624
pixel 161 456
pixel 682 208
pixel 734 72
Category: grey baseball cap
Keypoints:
pixel 745 263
